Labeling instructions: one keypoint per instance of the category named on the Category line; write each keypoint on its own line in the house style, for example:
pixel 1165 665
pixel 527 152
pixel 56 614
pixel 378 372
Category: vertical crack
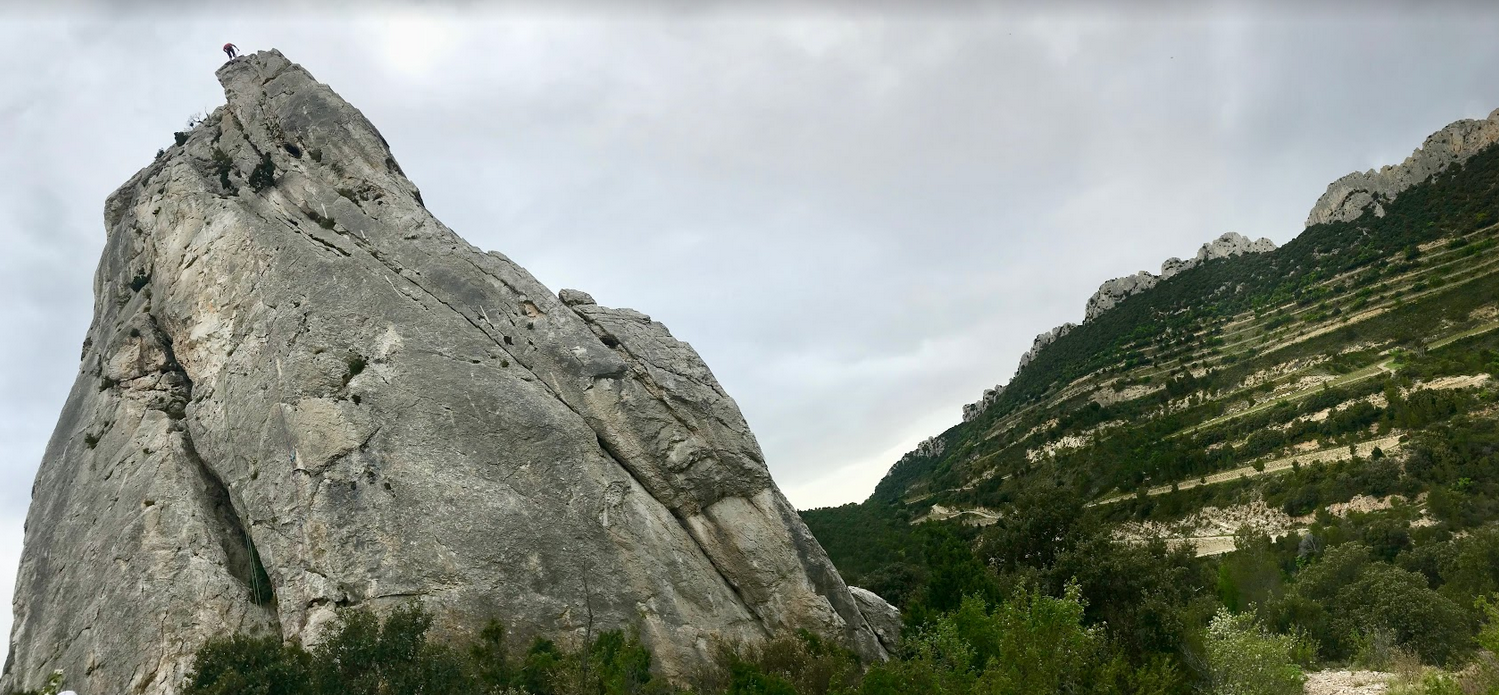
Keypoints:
pixel 739 596
pixel 242 559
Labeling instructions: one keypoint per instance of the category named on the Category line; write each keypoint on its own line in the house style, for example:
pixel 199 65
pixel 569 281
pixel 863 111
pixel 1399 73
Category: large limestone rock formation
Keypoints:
pixel 1111 292
pixel 301 391
pixel 1350 197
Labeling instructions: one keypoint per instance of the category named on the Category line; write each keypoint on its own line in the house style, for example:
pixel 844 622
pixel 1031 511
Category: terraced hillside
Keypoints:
pixel 1302 442
pixel 1287 381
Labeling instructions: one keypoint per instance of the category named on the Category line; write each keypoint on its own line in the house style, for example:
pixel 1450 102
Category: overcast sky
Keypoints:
pixel 860 218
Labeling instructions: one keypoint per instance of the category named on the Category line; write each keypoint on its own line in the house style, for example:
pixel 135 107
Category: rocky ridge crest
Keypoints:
pixel 1346 199
pixel 1349 197
pixel 1111 292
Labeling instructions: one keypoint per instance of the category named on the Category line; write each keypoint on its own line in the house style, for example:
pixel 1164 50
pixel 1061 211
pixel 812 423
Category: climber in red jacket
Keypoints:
pixel 231 50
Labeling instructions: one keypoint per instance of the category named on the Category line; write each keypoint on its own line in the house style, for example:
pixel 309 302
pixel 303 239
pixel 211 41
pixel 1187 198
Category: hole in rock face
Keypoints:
pixel 356 365
pixel 609 340
pixel 293 150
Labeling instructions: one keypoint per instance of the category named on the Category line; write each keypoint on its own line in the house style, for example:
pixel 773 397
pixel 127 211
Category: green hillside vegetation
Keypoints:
pixel 1305 439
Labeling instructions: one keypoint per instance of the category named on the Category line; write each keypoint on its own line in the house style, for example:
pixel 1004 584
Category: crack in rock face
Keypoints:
pixel 301 391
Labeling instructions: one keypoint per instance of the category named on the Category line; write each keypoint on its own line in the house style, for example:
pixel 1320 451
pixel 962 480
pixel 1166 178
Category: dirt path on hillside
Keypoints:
pixel 1347 683
pixel 1485 328
pixel 1382 367
pixel 980 516
pixel 1387 445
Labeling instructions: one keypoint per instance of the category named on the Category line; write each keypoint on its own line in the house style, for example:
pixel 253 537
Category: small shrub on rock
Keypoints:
pixel 264 174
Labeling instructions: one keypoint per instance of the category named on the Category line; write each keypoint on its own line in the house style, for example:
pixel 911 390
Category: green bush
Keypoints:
pixel 1037 644
pixel 936 660
pixel 263 176
pixel 1348 595
pixel 746 680
pixel 364 656
pixel 53 686
pixel 1245 659
pixel 803 661
pixel 1252 575
pixel 1430 683
pixel 223 165
pixel 246 665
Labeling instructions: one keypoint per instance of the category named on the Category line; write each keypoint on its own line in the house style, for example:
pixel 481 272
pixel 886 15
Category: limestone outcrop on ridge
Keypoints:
pixel 1350 197
pixel 1111 292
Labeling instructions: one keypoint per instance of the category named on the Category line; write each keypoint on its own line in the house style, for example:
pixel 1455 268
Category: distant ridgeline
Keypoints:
pixel 1244 379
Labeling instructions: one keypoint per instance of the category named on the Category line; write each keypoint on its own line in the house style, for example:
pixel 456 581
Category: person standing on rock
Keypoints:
pixel 231 50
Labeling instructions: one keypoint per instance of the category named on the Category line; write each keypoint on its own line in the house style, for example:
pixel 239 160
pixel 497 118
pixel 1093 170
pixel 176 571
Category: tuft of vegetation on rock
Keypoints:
pixel 264 174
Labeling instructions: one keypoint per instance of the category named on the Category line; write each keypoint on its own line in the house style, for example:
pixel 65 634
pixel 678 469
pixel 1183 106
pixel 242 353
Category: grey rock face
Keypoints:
pixel 1226 246
pixel 973 410
pixel 883 617
pixel 1042 341
pixel 977 408
pixel 931 447
pixel 315 395
pixel 1350 197
pixel 1111 292
pixel 1173 265
pixel 575 297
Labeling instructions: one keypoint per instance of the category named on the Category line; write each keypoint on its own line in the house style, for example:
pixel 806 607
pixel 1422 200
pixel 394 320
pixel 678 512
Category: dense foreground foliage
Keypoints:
pixel 1376 590
pixel 1028 643
pixel 1045 601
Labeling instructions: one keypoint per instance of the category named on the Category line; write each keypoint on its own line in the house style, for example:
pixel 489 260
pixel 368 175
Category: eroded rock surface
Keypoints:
pixel 1350 197
pixel 311 394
